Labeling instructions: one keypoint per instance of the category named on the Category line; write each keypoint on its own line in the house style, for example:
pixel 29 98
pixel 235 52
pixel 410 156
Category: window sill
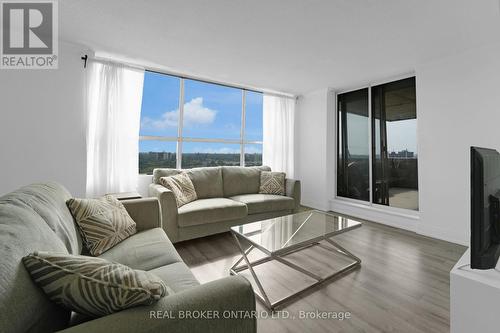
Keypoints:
pixel 395 217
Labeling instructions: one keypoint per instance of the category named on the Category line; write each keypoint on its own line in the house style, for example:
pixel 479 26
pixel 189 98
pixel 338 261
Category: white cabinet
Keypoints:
pixel 474 298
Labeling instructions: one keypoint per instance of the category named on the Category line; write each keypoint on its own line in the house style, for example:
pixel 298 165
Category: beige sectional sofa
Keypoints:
pixel 227 196
pixel 36 218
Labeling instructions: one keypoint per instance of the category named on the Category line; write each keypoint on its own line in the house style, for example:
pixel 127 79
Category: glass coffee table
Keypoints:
pixel 284 235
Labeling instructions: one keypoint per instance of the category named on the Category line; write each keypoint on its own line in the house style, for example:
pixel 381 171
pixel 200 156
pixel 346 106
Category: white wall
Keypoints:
pixel 311 120
pixel 42 133
pixel 42 125
pixel 458 105
pixel 143 182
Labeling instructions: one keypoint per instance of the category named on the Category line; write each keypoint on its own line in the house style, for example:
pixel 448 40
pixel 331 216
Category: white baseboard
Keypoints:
pixel 396 219
pixel 443 234
pixel 315 204
pixel 393 219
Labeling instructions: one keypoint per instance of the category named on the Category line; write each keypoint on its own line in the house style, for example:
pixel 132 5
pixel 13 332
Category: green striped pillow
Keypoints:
pixel 93 286
pixel 103 222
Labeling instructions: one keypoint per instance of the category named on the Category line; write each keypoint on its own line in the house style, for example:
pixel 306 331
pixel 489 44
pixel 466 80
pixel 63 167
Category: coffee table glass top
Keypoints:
pixel 294 230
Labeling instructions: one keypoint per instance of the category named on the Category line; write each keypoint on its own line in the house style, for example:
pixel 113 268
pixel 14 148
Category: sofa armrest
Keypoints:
pixel 231 296
pixel 168 210
pixel 145 212
pixel 293 190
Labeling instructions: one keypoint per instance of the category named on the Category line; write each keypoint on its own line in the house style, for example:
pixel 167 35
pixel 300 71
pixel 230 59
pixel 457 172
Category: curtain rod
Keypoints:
pixel 86 58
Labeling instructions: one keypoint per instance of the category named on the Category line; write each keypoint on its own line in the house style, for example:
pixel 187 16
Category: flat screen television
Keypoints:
pixel 485 207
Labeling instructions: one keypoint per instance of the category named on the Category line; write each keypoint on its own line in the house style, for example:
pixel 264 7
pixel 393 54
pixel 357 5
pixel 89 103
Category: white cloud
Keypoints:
pixel 194 113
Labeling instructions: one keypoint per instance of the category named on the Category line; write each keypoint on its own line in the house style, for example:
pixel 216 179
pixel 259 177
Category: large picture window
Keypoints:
pixel 187 123
pixel 391 118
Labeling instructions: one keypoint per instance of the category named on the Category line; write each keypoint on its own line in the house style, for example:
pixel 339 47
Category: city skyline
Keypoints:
pixel 151 160
pixel 401 135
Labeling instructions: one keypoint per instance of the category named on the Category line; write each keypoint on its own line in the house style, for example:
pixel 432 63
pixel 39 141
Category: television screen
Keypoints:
pixel 485 186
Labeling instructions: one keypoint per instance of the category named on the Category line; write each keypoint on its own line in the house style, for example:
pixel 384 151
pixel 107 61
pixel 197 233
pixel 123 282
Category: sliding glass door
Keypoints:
pixel 394 135
pixel 353 166
pixel 392 145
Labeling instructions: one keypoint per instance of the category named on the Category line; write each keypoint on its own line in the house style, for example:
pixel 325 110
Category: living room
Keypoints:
pixel 270 166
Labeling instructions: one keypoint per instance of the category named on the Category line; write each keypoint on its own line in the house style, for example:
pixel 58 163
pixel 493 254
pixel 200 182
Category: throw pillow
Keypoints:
pixel 272 183
pixel 93 286
pixel 182 187
pixel 102 222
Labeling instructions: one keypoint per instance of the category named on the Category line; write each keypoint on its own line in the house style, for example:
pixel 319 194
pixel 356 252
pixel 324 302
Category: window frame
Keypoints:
pixel 180 139
pixel 370 203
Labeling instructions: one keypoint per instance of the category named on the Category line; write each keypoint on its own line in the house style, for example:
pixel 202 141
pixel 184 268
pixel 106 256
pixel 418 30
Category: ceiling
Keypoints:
pixel 293 46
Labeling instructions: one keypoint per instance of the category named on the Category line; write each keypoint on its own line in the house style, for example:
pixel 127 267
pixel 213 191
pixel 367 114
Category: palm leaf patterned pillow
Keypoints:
pixel 102 222
pixel 93 286
pixel 182 187
pixel 272 183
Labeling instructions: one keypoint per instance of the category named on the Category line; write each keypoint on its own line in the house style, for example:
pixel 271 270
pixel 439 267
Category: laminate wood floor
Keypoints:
pixel 402 285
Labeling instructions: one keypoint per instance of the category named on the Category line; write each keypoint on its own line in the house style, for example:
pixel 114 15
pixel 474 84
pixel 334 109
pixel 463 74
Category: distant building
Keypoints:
pixel 402 154
pixel 161 156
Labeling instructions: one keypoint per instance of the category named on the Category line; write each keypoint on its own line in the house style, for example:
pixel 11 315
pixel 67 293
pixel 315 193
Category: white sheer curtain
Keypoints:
pixel 278 127
pixel 114 97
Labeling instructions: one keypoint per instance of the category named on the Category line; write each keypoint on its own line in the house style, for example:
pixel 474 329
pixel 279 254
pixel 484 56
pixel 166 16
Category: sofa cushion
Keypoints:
pixel 182 187
pixel 207 182
pixel 262 203
pixel 33 218
pixel 210 210
pixel 177 276
pixel 145 250
pixel 241 180
pixel 164 172
pixel 103 222
pixel 93 286
pixel 48 200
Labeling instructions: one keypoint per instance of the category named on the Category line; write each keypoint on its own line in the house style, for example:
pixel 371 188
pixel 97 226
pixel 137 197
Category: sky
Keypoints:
pixel 214 112
pixel 400 135
pixel 210 112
